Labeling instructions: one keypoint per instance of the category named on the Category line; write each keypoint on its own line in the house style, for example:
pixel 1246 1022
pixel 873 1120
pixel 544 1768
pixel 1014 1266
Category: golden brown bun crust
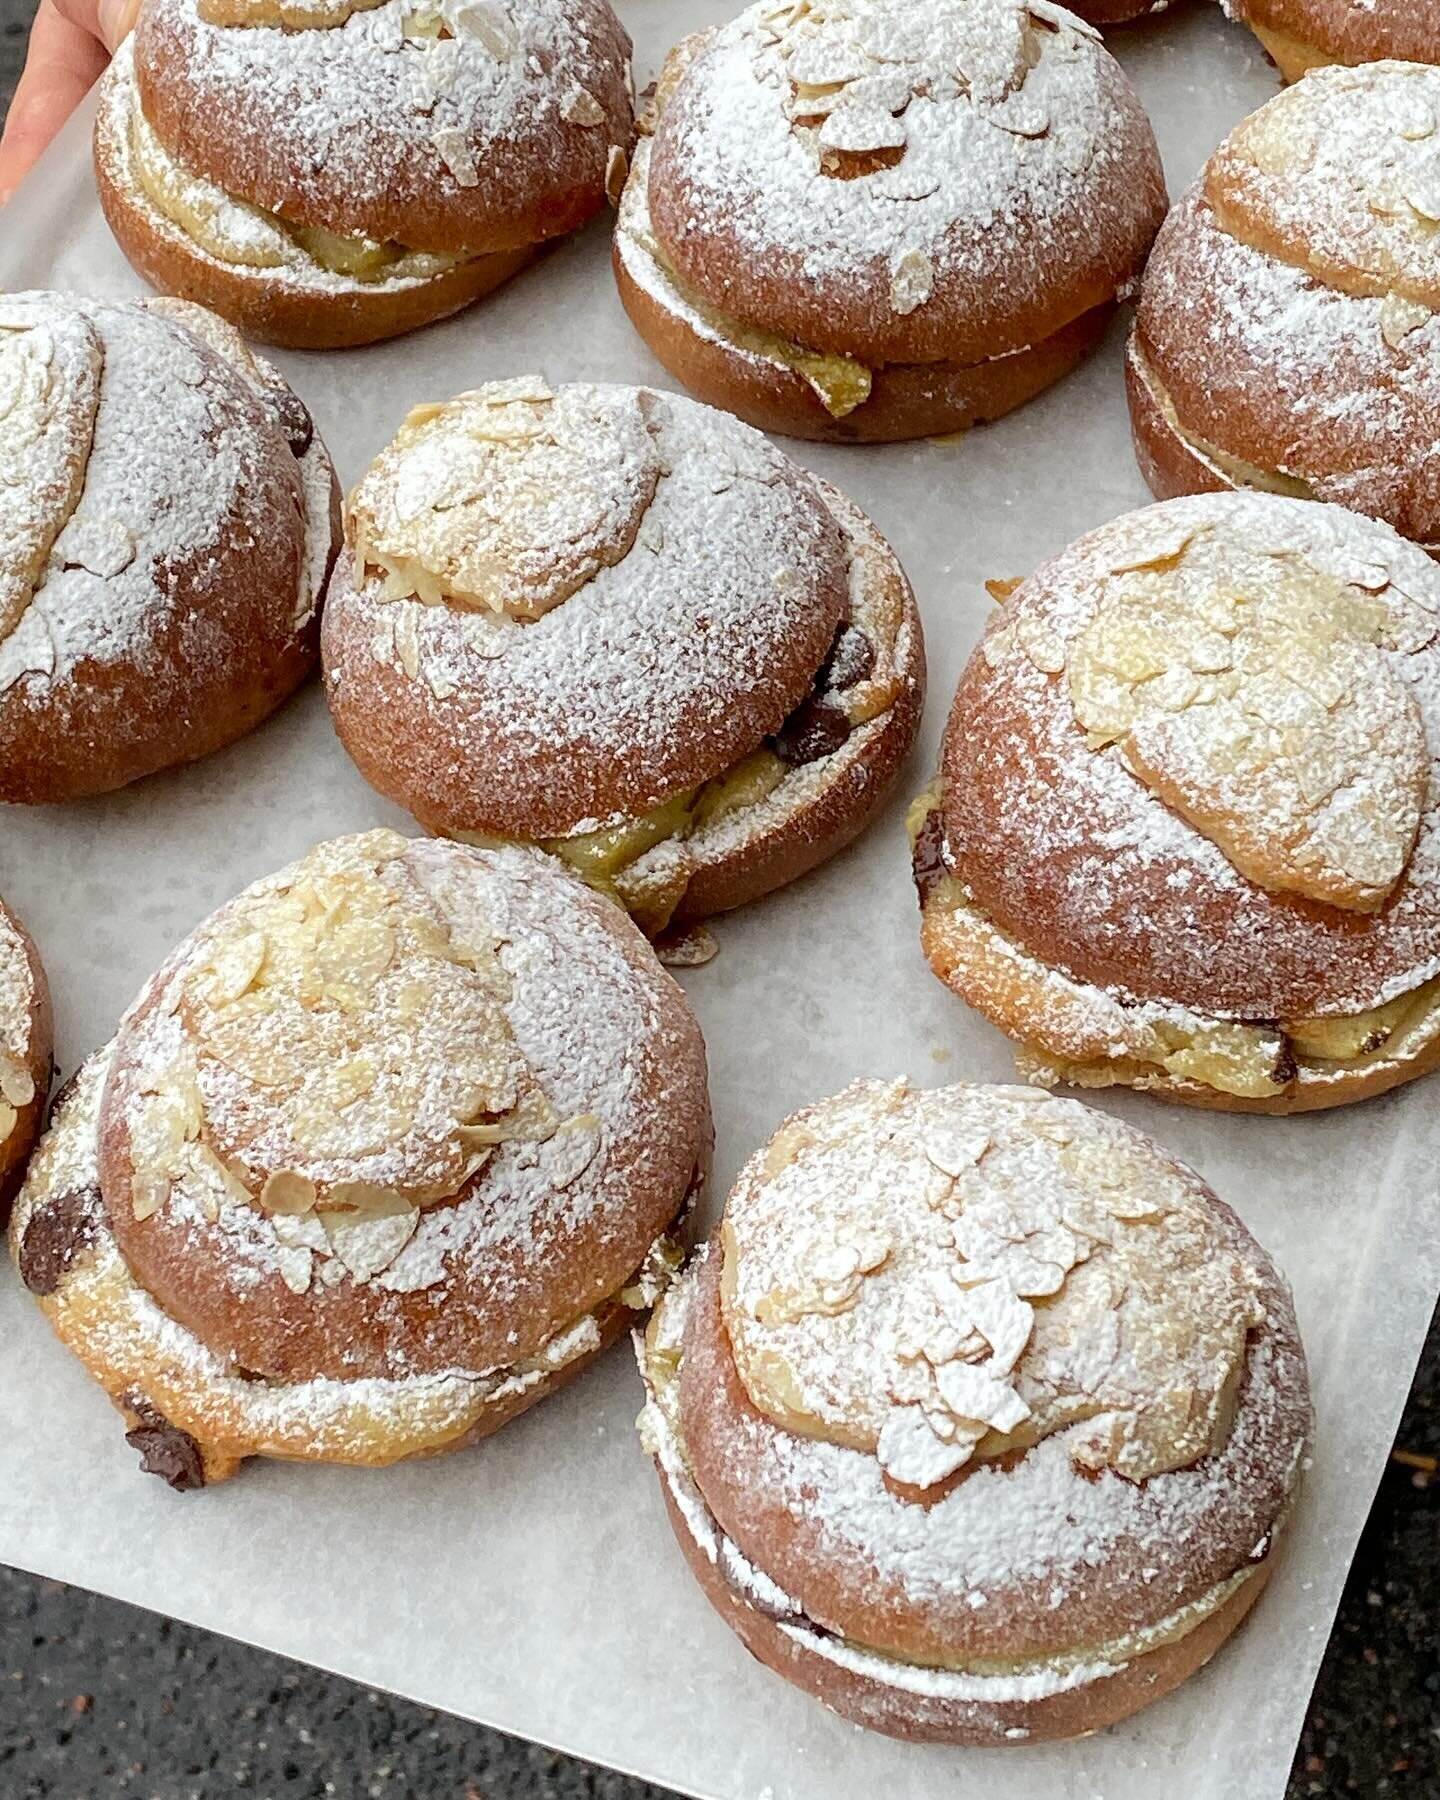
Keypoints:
pixel 932 1718
pixel 1168 464
pixel 1281 371
pixel 1027 809
pixel 734 1452
pixel 907 400
pixel 546 735
pixel 993 989
pixel 226 636
pixel 262 303
pixel 772 859
pixel 1344 32
pixel 188 1413
pixel 531 1283
pixel 38 1063
pixel 240 106
pixel 741 230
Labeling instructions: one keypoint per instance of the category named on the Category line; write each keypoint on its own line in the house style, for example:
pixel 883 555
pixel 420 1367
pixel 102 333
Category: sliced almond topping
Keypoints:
pixel 912 280
pixel 1399 317
pixel 16 1082
pixel 617 167
pixel 285 1192
pixel 580 107
pixel 457 152
pixel 489 23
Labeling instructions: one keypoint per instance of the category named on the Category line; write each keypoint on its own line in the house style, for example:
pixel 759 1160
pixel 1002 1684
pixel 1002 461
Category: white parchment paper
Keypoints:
pixel 533 1583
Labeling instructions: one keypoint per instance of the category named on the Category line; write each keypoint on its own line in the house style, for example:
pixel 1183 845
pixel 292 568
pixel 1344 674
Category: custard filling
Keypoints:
pixel 662 1361
pixel 841 382
pixel 1234 468
pixel 606 858
pixel 1147 1042
pixel 234 232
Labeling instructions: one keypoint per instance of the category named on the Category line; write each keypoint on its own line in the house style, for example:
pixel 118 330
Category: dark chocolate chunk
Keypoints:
pixel 851 659
pixel 167 1451
pixel 927 859
pixel 813 730
pixel 140 1409
pixel 58 1235
pixel 294 419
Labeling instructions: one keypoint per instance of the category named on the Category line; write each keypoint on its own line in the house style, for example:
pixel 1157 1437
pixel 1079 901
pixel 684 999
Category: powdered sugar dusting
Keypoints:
pixel 131 1343
pixel 1128 878
pixel 886 1261
pixel 1352 407
pixel 534 1029
pixel 403 102
pixel 735 563
pixel 1340 174
pixel 882 608
pixel 245 241
pixel 178 466
pixel 1009 118
pixel 17 991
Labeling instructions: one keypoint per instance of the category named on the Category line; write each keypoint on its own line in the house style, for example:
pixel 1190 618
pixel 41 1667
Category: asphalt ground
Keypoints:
pixel 99 1699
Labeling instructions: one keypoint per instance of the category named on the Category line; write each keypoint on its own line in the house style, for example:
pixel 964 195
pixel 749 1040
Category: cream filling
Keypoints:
pixel 240 235
pixel 603 857
pixel 645 863
pixel 993 1679
pixel 1233 469
pixel 841 383
pixel 1098 1038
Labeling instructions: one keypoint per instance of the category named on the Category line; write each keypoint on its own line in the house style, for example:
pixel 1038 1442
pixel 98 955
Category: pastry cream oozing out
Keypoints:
pixel 661 1437
pixel 235 232
pixel 1234 468
pixel 599 858
pixel 1236 1057
pixel 841 383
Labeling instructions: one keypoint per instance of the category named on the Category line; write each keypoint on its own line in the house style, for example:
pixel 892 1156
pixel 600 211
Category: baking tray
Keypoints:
pixel 532 1583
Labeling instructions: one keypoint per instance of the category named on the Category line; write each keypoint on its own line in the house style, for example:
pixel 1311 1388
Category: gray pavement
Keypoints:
pixel 101 1700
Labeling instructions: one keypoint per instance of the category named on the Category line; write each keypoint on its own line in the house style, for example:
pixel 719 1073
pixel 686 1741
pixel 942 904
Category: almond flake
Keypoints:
pixel 617 167
pixel 487 22
pixel 1399 317
pixel 16 1084
pixel 912 280
pixel 457 153
pixel 854 130
pixel 296 1268
pixel 104 547
pixel 580 107
pixel 368 1244
pixel 285 1192
pixel 1421 188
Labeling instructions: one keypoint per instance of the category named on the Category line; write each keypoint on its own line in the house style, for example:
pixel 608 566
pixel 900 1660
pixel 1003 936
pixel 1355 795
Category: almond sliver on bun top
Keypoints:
pixel 1287 335
pixel 981 1397
pixel 624 627
pixel 1186 832
pixel 849 189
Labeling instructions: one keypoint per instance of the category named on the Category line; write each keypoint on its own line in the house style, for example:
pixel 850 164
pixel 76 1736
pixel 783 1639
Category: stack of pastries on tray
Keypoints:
pixel 976 1414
